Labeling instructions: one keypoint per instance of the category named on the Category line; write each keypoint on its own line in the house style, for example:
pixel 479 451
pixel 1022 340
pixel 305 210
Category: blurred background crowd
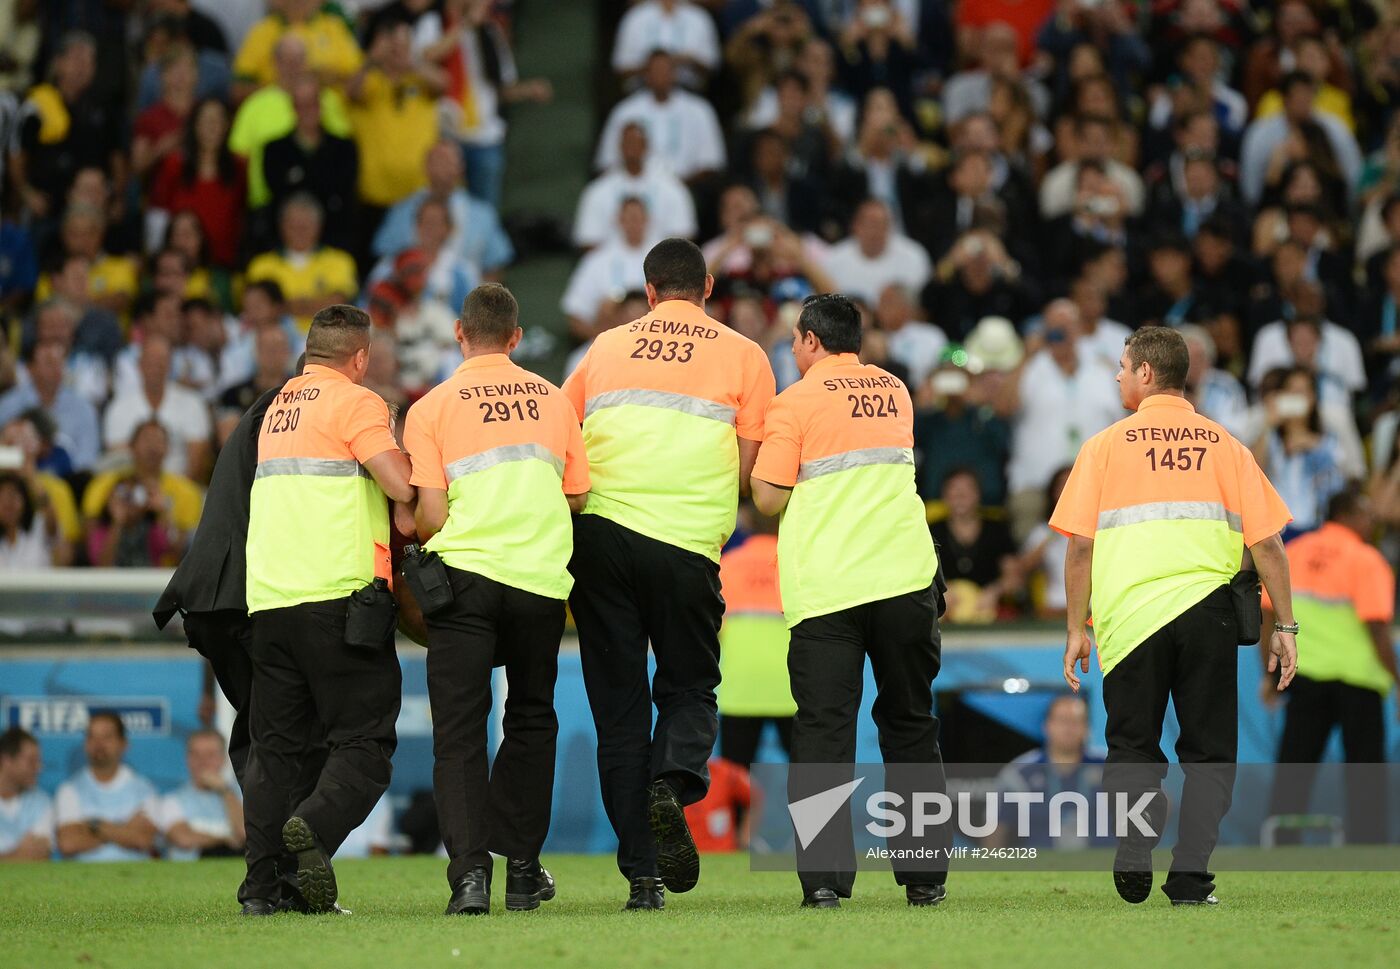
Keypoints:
pixel 1007 186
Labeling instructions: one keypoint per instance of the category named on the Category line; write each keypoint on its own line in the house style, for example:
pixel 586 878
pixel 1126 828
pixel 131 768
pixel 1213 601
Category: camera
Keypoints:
pixel 758 236
pixel 876 18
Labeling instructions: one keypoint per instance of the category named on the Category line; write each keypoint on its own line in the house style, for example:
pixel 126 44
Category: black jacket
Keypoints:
pixel 211 576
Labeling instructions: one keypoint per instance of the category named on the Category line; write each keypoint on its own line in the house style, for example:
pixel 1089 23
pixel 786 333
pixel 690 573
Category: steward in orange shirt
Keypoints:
pixel 672 410
pixel 498 462
pixel 1159 509
pixel 1344 594
pixel 856 566
pixel 318 539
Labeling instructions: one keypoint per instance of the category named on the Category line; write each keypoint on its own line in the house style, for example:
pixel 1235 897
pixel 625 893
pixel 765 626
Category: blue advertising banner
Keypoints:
pixel 157 694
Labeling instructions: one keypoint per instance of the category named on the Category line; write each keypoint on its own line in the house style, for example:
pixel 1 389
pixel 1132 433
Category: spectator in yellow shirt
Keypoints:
pixel 141 516
pixel 393 110
pixel 332 52
pixel 268 114
pixel 113 281
pixel 309 274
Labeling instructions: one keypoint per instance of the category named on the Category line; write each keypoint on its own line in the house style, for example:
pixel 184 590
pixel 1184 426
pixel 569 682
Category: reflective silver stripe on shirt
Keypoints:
pixel 686 404
pixel 847 460
pixel 504 454
pixel 311 467
pixel 1157 511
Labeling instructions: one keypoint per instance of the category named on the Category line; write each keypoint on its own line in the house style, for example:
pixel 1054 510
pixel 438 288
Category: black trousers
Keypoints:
pixel 1316 708
pixel 826 664
pixel 739 737
pixel 223 637
pixel 307 680
pixel 630 590
pixel 1191 660
pixel 505 807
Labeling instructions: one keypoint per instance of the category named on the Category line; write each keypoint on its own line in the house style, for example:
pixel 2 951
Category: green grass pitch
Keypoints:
pixel 183 915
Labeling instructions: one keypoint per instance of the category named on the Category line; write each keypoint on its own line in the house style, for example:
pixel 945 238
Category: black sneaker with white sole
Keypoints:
pixel 677 861
pixel 315 876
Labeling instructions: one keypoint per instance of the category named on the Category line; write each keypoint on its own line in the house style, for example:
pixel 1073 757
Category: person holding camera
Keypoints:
pixel 141 516
pixel 498 460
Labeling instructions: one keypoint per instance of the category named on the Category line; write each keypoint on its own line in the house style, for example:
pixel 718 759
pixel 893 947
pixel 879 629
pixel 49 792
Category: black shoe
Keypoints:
pixel 1208 900
pixel 315 876
pixel 258 906
pixel 293 901
pixel 646 893
pixel 677 862
pixel 471 894
pixel 527 884
pixel 822 898
pixel 1132 870
pixel 925 895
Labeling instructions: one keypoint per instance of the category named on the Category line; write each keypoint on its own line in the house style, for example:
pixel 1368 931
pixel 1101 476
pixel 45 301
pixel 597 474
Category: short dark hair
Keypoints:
pixel 834 319
pixel 676 269
pixel 337 333
pixel 490 315
pixel 12 741
pixel 1165 350
pixel 1346 502
pixel 269 288
pixel 113 717
pixel 27 511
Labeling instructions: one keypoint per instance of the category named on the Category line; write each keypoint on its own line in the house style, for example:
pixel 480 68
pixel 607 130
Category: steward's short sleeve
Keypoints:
pixel 573 388
pixel 576 479
pixel 759 388
pixel 1077 512
pixel 781 454
pixel 1262 512
pixel 366 427
pixel 1373 587
pixel 424 451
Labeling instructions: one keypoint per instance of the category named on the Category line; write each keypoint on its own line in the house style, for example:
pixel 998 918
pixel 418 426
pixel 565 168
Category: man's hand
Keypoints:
pixel 1076 650
pixel 1283 658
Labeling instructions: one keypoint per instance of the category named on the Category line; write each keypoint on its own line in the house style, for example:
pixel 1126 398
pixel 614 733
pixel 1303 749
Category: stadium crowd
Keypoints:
pixel 1007 187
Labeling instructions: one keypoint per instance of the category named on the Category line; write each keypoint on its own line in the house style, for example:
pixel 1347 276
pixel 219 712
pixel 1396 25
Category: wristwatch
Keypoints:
pixel 1280 627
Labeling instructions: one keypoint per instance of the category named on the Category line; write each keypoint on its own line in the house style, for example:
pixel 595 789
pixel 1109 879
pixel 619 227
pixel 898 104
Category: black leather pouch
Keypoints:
pixel 1247 597
pixel 426 577
pixel 371 616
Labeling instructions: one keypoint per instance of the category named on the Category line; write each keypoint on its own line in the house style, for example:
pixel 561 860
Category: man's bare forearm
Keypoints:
pixel 1079 561
pixel 1271 562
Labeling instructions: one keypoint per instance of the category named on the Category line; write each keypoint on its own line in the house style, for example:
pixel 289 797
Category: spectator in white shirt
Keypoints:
pixel 204 817
pixel 1265 136
pixel 1329 350
pixel 606 274
pixel 1100 338
pixel 104 812
pixel 875 256
pixel 1093 141
pixel 682 128
pixel 1059 400
pixel 1215 393
pixel 635 176
pixel 909 341
pixel 182 412
pixel 679 27
pixel 26 813
pixel 817 63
